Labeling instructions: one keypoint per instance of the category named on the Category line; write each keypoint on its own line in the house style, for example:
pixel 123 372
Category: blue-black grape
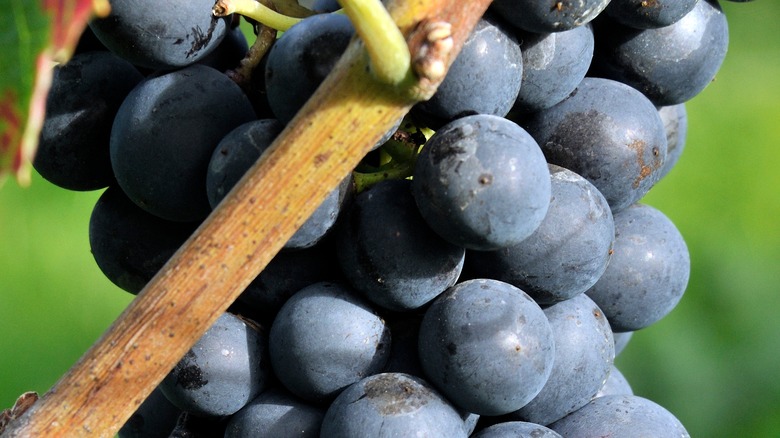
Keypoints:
pixel 85 95
pixel 223 371
pixel 490 55
pixel 325 338
pixel 566 254
pixel 548 16
pixel 165 133
pixel 482 182
pixel 671 64
pixel 487 346
pixel 608 133
pixel 391 405
pixel 157 36
pixel 130 245
pixel 276 413
pixel 584 353
pixel 388 252
pixel 643 14
pixel 621 416
pixel 516 429
pixel 299 61
pixel 648 273
pixel 553 65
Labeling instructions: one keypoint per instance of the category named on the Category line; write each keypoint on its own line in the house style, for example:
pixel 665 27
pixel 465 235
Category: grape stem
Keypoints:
pixel 386 46
pixel 256 11
pixel 234 244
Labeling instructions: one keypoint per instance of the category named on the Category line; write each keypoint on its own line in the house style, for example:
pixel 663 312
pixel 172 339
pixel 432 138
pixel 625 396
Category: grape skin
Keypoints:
pixel 165 133
pixel 482 182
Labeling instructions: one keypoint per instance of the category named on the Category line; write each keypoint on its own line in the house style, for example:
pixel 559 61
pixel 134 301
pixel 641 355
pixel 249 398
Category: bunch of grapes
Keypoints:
pixel 475 275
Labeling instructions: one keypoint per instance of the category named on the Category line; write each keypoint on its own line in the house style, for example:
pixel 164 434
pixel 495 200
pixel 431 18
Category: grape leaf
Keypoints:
pixel 35 35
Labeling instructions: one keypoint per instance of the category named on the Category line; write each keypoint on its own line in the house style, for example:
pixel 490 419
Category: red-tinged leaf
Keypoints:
pixel 34 36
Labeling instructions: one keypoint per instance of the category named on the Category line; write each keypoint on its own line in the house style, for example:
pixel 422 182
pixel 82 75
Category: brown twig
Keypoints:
pixel 100 392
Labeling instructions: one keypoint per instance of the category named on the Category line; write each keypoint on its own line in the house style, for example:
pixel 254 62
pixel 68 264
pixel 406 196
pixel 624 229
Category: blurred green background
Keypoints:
pixel 713 362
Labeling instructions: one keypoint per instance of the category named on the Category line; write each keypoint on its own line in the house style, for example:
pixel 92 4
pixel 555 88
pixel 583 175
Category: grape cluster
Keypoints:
pixel 484 292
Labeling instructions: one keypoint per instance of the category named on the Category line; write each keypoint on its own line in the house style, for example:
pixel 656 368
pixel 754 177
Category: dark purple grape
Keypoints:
pixel 165 133
pixel 671 64
pixel 482 182
pixel 607 132
pixel 566 254
pixel 299 61
pixel 391 405
pixel 222 372
pixel 150 35
pixel 516 429
pixel 490 55
pixel 553 65
pixel 85 95
pixel 648 273
pixel 548 16
pixel 129 244
pixel 621 416
pixel 644 14
pixel 388 252
pixel 487 346
pixel 325 338
pixel 276 413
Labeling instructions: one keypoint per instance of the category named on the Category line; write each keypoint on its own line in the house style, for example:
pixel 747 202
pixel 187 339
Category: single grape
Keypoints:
pixel 151 35
pixel 553 65
pixel 643 14
pixel 391 405
pixel 222 372
pixel 388 252
pixel 671 64
pixel 325 338
pixel 607 132
pixel 130 245
pixel 299 61
pixel 648 273
pixel 165 133
pixel 482 182
pixel 276 413
pixel 516 429
pixel 83 100
pixel 626 416
pixel 487 346
pixel 490 55
pixel 548 16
